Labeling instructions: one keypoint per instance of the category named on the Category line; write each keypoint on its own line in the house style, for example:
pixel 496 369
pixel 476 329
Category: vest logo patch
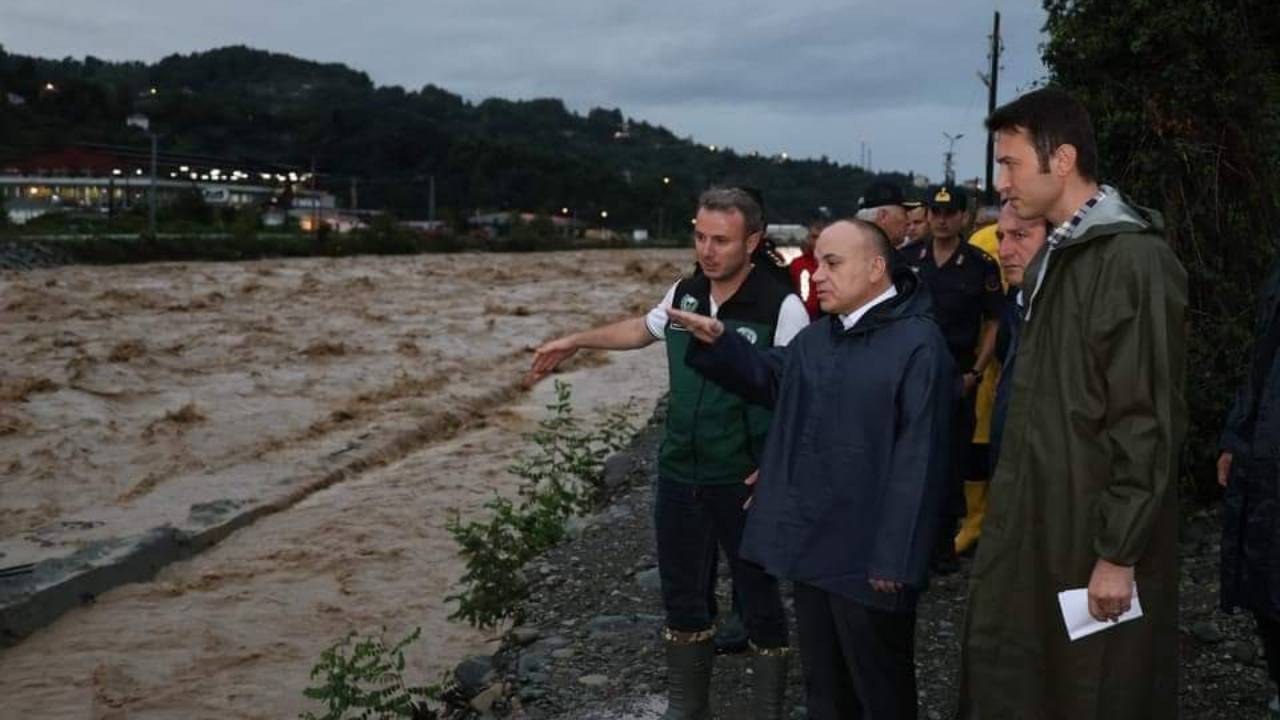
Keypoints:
pixel 689 303
pixel 748 334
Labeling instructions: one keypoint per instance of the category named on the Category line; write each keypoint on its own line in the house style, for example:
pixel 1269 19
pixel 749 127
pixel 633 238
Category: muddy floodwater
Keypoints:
pixel 120 384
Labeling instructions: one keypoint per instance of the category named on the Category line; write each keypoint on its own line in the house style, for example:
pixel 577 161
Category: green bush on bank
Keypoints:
pixel 362 677
pixel 560 478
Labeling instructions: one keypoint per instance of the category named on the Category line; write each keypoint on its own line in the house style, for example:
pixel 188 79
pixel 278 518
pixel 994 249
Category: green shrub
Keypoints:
pixel 560 478
pixel 362 677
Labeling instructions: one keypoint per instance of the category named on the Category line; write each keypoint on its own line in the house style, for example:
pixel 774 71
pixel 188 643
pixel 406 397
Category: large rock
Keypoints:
pixel 604 625
pixel 1207 632
pixel 522 636
pixel 617 469
pixel 649 580
pixel 475 674
pixel 530 663
pixel 484 700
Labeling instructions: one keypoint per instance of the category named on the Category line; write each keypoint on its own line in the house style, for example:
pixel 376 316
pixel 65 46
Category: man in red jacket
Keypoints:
pixel 804 266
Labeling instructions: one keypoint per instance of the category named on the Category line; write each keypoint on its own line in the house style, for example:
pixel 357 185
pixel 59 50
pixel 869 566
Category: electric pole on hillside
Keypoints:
pixel 992 80
pixel 431 199
pixel 948 166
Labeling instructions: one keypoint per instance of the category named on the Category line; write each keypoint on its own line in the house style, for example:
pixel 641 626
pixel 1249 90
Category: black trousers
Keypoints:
pixel 1269 631
pixel 859 662
pixel 689 521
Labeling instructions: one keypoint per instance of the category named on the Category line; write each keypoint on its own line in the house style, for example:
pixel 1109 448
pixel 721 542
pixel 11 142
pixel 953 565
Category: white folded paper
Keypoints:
pixel 1075 613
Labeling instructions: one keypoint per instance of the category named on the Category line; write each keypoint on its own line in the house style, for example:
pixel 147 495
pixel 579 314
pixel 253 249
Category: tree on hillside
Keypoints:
pixel 1185 97
pixel 529 155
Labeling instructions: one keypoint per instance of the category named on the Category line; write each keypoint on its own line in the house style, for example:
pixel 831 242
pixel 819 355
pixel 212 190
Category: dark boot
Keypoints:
pixel 689 659
pixel 769 684
pixel 731 636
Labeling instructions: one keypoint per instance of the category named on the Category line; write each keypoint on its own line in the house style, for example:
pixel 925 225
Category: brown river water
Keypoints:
pixel 117 381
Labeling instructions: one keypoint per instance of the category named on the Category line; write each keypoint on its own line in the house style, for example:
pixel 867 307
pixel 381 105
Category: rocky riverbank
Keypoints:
pixel 27 255
pixel 587 645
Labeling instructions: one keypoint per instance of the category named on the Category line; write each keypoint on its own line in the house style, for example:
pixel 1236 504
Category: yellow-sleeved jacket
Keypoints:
pixel 985 240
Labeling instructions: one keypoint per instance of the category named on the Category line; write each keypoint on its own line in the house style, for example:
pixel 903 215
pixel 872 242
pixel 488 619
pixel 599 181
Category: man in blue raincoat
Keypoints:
pixel 847 499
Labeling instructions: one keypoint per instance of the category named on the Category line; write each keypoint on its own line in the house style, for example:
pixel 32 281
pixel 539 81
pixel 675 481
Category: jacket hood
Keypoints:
pixel 1112 215
pixel 912 300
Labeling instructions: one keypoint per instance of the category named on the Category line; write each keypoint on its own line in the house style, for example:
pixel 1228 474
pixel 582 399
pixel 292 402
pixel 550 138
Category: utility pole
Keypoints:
pixel 948 169
pixel 151 191
pixel 431 199
pixel 992 80
pixel 315 200
pixel 355 197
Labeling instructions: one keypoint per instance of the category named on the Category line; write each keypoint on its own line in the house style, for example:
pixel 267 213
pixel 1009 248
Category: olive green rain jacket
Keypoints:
pixel 1087 469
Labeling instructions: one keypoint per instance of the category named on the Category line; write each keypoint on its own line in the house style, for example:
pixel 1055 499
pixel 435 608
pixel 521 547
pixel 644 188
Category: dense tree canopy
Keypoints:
pixel 533 155
pixel 1185 97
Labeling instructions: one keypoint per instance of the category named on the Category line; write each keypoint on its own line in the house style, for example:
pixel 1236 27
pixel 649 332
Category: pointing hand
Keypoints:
pixel 547 357
pixel 704 328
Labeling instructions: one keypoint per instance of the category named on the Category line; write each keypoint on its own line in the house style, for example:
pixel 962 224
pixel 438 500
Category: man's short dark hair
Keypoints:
pixel 728 199
pixel 1051 118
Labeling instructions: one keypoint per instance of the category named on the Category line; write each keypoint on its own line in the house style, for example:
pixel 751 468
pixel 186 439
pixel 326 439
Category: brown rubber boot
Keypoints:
pixel 769 683
pixel 689 660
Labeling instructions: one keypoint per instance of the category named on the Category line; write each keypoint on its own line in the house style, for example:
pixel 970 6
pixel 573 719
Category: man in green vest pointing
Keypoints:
pixel 713 441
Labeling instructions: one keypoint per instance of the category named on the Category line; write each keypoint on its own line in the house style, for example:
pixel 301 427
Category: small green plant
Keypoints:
pixel 560 479
pixel 361 677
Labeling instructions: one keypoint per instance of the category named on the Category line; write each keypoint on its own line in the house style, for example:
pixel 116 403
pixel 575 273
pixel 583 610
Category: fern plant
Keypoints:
pixel 362 678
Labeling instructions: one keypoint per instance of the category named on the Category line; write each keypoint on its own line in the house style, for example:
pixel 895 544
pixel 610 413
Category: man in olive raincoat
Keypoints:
pixel 1084 490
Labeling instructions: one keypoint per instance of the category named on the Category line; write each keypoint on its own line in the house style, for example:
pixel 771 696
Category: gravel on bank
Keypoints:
pixel 587 643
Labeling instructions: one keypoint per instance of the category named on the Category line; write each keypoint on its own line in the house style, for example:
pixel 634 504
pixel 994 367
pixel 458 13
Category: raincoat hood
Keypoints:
pixel 1112 215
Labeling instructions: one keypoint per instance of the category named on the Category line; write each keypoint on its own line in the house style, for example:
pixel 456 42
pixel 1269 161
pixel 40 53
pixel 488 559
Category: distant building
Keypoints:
pixel 786 234
pixel 22 211
pixel 274 218
pixel 15 99
pixel 140 121
pixel 427 226
pixel 88 177
pixel 496 224
pixel 600 235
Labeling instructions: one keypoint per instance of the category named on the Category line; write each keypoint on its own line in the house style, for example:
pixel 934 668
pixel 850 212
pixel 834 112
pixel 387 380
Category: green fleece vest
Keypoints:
pixel 713 437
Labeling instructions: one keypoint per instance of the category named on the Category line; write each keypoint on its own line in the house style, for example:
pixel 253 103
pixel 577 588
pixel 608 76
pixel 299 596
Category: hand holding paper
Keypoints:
pixel 1080 623
pixel 1110 590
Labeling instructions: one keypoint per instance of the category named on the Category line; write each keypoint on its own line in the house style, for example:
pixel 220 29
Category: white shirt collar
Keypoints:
pixel 852 318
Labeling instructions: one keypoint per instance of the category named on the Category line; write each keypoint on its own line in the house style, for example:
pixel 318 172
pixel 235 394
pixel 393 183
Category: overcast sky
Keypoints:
pixel 806 77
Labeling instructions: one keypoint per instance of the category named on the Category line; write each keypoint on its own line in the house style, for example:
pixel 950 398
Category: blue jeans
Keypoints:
pixel 690 520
